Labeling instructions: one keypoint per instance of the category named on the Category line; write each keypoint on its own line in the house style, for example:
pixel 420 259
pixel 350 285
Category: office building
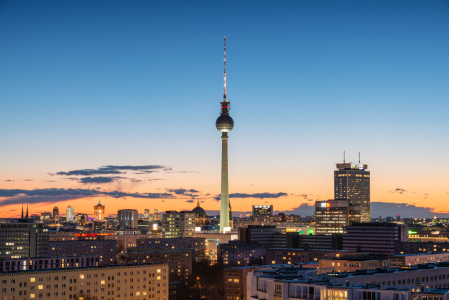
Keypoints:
pixel 46 216
pixel 99 212
pixel 23 240
pixel 333 241
pixel 351 265
pixel 376 238
pixel 156 215
pixel 128 219
pixel 106 249
pixel 262 213
pixel 43 263
pixel 70 214
pixel 178 224
pixel 145 281
pixel 128 240
pixel 263 235
pixel 352 182
pixel 333 215
pixel 416 259
pixel 55 214
pixel 147 213
pixel 199 244
pixel 237 253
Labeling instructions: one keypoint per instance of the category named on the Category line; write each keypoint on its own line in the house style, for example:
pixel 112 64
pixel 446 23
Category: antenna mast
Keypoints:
pixel 224 74
pixel 359 157
pixel 344 156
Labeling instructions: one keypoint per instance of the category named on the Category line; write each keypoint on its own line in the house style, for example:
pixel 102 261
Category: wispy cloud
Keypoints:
pixel 111 169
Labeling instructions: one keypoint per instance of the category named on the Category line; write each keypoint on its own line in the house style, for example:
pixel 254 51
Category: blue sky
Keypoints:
pixel 91 83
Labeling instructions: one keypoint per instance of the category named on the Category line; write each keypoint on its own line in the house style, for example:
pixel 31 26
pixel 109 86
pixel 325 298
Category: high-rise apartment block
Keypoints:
pixel 178 224
pixel 147 213
pixel 70 214
pixel 99 211
pixel 128 219
pixel 56 214
pixel 352 182
pixel 333 215
pixel 23 240
pixel 106 249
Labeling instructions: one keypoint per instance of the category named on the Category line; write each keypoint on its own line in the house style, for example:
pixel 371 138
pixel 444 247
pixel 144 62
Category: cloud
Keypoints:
pixel 9 180
pixel 400 191
pixel 304 210
pixel 257 195
pixel 28 180
pixel 111 169
pixel 406 210
pixel 182 191
pixel 98 179
pixel 51 195
pixel 189 201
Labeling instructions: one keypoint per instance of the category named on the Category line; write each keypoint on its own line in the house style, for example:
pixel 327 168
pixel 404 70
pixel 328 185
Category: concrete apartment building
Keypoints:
pixel 276 256
pixel 332 216
pixel 378 239
pixel 200 245
pixel 106 249
pixel 404 247
pixel 264 235
pixel 346 265
pixel 23 240
pixel 129 240
pixel 42 263
pixel 420 258
pixel 146 281
pixel 177 224
pixel 179 261
pixel 238 254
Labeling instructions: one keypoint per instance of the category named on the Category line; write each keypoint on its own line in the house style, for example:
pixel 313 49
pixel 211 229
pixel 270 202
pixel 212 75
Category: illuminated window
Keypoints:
pixel 33 279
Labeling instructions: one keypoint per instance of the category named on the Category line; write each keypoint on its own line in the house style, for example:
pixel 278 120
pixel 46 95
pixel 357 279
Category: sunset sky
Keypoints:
pixel 117 100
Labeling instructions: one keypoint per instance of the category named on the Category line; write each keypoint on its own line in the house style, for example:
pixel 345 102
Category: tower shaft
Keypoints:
pixel 224 202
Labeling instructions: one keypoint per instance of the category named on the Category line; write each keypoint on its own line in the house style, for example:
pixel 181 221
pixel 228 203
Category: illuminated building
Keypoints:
pixel 378 239
pixel 45 216
pixel 262 212
pixel 178 224
pixel 156 215
pixel 70 214
pixel 331 216
pixel 106 249
pixel 200 215
pixel 99 211
pixel 128 219
pixel 144 281
pixel 23 240
pixel 224 124
pixel 56 214
pixel 43 263
pixel 147 213
pixel 352 182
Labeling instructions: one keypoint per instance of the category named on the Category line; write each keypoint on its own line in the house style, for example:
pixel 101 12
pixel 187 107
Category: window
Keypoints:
pixel 32 279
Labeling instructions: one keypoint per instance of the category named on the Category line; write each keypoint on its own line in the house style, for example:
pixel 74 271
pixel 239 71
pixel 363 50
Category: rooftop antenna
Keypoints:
pixel 344 156
pixel 224 74
pixel 359 157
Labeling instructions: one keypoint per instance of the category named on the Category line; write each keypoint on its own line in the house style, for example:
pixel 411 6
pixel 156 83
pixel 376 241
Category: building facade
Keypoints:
pixel 146 281
pixel 106 249
pixel 55 214
pixel 128 219
pixel 178 224
pixel 352 182
pixel 42 263
pixel 333 215
pixel 23 240
pixel 262 212
pixel 378 239
pixel 70 214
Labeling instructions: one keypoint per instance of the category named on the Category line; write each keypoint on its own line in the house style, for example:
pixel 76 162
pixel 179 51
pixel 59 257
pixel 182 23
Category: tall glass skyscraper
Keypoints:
pixel 70 214
pixel 352 182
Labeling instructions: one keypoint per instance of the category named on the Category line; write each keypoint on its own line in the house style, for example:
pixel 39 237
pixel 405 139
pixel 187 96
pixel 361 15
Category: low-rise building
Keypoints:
pixel 403 247
pixel 420 258
pixel 236 253
pixel 276 256
pixel 346 265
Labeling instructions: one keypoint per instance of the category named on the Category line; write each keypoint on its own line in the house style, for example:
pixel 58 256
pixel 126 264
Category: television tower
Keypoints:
pixel 224 124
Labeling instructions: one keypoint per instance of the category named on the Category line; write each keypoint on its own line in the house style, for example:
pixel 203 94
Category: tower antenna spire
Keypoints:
pixel 359 157
pixel 344 156
pixel 224 74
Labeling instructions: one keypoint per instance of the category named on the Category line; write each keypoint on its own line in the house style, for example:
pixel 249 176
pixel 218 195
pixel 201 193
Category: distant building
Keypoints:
pixel 199 244
pixel 416 259
pixel 263 235
pixel 352 182
pixel 347 265
pixel 55 214
pixel 333 241
pixel 23 240
pixel 81 218
pixel 45 216
pixel 376 238
pixel 70 214
pixel 276 256
pixel 99 211
pixel 332 216
pixel 178 224
pixel 404 247
pixel 147 213
pixel 128 219
pixel 200 215
pixel 156 215
pixel 262 212
pixel 236 253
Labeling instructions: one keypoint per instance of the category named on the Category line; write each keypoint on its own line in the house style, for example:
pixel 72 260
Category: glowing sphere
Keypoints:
pixel 224 123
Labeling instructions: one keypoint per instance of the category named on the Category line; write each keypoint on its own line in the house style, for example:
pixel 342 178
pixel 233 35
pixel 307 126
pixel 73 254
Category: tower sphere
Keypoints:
pixel 224 123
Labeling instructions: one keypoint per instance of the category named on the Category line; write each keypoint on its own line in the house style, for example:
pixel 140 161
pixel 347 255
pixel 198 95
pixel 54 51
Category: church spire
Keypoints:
pixel 26 216
pixel 21 216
